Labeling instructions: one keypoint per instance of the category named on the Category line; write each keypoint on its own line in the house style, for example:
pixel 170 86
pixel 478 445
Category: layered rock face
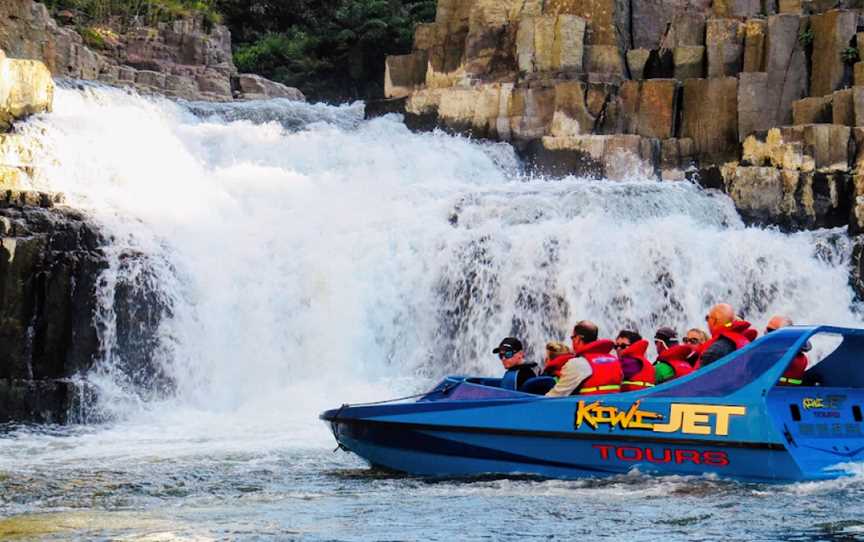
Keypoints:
pixel 760 99
pixel 182 59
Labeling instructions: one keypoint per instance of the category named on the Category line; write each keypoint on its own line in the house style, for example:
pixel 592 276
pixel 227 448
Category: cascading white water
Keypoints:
pixel 325 259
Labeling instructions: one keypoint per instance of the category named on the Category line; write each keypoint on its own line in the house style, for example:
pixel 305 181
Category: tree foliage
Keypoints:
pixel 136 12
pixel 331 49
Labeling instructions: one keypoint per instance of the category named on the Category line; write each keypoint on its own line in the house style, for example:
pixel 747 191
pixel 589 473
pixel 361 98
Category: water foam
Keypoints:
pixel 309 257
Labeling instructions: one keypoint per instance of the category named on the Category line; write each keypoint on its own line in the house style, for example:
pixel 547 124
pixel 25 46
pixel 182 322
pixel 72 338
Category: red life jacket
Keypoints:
pixel 644 378
pixel 737 332
pixel 606 375
pixel 553 366
pixel 678 357
pixel 794 375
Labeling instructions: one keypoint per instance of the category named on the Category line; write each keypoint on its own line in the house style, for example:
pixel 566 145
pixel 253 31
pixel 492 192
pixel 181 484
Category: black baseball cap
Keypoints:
pixel 667 335
pixel 510 343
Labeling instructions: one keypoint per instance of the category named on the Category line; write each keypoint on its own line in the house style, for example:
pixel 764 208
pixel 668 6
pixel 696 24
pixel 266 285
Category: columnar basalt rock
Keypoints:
pixel 757 91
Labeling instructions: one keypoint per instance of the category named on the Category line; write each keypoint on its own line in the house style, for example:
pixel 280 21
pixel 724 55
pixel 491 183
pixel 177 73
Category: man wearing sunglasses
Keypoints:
pixel 728 334
pixel 512 357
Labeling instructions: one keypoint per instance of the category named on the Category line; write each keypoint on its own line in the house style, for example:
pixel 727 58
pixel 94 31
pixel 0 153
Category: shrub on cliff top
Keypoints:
pixel 331 49
pixel 127 13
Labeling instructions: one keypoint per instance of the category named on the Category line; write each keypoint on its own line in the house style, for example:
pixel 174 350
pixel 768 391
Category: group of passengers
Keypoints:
pixel 590 365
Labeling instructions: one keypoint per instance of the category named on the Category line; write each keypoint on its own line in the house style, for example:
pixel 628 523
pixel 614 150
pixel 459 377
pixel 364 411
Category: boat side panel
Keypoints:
pixel 823 427
pixel 444 453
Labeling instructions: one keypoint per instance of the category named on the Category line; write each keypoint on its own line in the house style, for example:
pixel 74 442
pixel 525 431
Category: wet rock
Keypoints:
pixel 26 87
pixel 248 86
pixel 571 116
pixel 614 157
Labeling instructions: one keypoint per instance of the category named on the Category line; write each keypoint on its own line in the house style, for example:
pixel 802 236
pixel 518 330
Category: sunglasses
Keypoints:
pixel 506 355
pixel 686 340
pixel 619 346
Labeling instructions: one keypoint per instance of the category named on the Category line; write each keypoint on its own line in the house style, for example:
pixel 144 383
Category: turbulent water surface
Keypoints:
pixel 299 257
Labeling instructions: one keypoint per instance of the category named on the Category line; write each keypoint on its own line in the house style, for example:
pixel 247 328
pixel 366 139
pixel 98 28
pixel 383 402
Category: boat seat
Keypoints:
pixel 539 385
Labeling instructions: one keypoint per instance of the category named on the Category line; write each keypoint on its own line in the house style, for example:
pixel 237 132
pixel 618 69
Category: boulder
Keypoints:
pixel 724 41
pixel 403 74
pixel 250 86
pixel 615 157
pixel 26 87
pixel 710 118
pixel 832 33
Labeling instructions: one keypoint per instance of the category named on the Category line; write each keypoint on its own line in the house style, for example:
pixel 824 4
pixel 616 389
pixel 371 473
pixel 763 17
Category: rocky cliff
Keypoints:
pixel 761 98
pixel 183 59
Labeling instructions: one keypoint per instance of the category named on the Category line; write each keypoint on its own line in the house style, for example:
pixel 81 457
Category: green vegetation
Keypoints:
pixel 850 55
pixel 805 38
pixel 141 12
pixel 332 50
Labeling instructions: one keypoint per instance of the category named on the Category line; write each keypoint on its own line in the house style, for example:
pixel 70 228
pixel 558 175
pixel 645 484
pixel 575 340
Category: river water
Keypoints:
pixel 302 258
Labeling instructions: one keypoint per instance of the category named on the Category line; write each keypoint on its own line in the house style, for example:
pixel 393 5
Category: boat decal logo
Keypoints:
pixel 830 402
pixel 689 419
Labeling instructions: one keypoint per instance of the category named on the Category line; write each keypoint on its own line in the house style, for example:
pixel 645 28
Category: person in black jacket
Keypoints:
pixel 512 357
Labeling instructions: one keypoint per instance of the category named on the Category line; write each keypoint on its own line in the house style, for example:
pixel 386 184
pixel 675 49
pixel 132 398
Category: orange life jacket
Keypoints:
pixel 645 377
pixel 678 357
pixel 606 374
pixel 738 332
pixel 794 375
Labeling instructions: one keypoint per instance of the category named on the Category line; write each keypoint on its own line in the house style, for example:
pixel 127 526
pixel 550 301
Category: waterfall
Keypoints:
pixel 283 257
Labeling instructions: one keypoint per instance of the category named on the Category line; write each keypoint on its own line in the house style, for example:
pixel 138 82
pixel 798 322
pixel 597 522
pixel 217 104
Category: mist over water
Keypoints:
pixel 302 257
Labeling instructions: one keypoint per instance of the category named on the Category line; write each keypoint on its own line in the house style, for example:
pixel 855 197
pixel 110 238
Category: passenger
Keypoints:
pixel 557 354
pixel 591 370
pixel 512 357
pixel 675 362
pixel 665 337
pixel 727 334
pixel 794 375
pixel 638 373
pixel 695 337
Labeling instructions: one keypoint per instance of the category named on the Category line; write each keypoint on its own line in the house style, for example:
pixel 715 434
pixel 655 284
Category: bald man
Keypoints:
pixel 727 334
pixel 592 369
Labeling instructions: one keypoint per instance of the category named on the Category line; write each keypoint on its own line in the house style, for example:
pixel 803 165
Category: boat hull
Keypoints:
pixel 430 450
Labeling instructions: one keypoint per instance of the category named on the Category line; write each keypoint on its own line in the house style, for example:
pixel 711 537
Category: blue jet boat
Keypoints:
pixel 729 419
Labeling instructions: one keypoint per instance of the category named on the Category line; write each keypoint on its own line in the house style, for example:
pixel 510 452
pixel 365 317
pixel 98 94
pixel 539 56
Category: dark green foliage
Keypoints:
pixel 144 12
pixel 332 50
